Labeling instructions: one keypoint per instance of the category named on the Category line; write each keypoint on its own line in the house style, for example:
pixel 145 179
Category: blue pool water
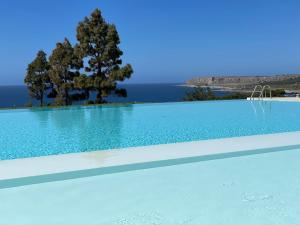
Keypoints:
pixel 261 189
pixel 36 132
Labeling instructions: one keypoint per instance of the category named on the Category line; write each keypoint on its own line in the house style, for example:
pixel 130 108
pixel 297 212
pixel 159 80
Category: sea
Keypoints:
pixel 17 96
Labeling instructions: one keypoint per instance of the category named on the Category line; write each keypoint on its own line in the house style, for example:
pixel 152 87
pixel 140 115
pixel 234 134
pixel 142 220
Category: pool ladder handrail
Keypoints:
pixel 262 92
pixel 256 91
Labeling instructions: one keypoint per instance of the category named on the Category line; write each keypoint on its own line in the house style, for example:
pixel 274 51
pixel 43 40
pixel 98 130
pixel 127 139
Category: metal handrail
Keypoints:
pixel 255 91
pixel 262 92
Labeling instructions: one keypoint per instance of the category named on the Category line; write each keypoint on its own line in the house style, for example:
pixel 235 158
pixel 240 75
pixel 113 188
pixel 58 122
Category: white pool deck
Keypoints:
pixel 67 166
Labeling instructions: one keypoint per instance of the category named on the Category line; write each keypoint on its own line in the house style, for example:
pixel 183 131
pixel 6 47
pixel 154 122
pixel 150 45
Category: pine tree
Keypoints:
pixel 37 77
pixel 98 46
pixel 65 67
pixel 85 84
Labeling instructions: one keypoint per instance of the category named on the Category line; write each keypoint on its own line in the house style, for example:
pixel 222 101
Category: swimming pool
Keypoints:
pixel 250 190
pixel 249 180
pixel 42 132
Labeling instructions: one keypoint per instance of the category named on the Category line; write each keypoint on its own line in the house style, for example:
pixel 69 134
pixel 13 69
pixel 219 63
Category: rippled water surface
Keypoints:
pixel 34 132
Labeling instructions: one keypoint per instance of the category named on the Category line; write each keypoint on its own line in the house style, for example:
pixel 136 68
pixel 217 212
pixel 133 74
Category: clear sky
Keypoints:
pixel 164 40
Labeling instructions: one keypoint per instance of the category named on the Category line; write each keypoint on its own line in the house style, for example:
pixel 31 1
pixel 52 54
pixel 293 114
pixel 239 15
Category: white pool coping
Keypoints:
pixel 279 99
pixel 73 165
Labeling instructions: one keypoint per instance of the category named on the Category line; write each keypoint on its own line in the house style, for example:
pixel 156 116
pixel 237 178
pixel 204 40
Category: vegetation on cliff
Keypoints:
pixel 205 94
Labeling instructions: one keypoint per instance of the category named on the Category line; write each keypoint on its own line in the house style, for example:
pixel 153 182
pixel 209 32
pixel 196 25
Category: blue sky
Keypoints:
pixel 164 40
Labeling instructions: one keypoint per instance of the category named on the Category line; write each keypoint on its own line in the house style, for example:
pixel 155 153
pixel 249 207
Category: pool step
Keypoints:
pixel 27 171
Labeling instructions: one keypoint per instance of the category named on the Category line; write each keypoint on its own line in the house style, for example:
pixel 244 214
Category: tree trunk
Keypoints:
pixel 67 97
pixel 87 93
pixel 99 98
pixel 42 98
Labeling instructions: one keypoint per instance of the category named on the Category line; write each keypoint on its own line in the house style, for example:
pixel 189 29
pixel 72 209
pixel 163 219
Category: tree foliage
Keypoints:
pixel 84 84
pixel 200 93
pixel 65 66
pixel 93 64
pixel 98 45
pixel 205 93
pixel 37 77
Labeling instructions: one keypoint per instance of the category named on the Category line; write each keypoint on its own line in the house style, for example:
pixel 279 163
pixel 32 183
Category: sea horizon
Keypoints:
pixel 17 95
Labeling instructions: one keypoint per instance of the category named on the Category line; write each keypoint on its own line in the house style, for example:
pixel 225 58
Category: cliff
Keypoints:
pixel 287 82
